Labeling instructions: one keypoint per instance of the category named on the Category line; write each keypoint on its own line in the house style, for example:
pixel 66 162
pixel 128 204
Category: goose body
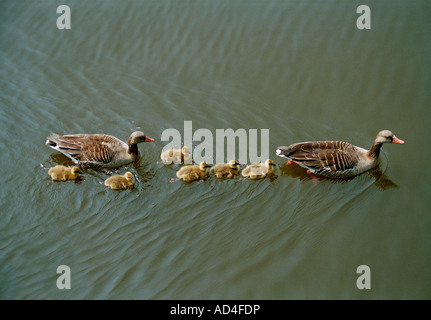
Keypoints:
pixel 226 170
pixel 119 182
pixel 337 159
pixel 177 156
pixel 191 173
pixel 259 170
pixel 63 173
pixel 99 150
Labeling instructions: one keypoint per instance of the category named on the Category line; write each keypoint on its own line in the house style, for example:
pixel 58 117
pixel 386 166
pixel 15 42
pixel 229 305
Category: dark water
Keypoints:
pixel 301 69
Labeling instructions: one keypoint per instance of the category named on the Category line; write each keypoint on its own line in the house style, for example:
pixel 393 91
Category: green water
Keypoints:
pixel 301 69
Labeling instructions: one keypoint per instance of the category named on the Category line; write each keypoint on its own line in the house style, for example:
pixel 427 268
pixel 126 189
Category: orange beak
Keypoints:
pixel 397 141
pixel 148 139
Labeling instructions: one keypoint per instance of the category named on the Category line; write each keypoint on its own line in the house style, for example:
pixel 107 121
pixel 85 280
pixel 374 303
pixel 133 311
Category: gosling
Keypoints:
pixel 172 155
pixel 191 173
pixel 226 170
pixel 63 173
pixel 259 170
pixel 119 182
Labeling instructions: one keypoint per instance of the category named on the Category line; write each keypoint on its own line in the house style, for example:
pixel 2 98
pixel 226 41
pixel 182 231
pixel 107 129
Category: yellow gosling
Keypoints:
pixel 226 170
pixel 63 173
pixel 191 173
pixel 177 156
pixel 259 170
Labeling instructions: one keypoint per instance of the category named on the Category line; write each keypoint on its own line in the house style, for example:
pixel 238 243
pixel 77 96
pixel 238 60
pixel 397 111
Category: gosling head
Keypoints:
pixel 128 175
pixel 185 150
pixel 233 164
pixel 270 164
pixel 204 166
pixel 75 171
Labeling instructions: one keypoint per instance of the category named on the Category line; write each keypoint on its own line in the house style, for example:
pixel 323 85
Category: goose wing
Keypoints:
pixel 87 148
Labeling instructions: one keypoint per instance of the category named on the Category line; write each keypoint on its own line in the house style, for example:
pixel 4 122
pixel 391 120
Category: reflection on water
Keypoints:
pixel 381 180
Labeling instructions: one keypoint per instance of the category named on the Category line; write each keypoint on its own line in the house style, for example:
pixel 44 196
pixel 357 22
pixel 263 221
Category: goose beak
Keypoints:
pixel 397 141
pixel 148 139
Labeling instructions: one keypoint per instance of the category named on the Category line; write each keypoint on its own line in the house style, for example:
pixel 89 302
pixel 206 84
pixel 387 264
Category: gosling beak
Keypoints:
pixel 397 141
pixel 148 139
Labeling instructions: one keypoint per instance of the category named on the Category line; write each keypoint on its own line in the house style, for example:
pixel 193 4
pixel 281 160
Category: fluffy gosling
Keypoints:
pixel 191 173
pixel 226 170
pixel 259 170
pixel 172 155
pixel 119 182
pixel 63 173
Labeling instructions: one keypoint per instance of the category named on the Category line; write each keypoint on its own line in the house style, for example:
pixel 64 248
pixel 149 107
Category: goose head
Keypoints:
pixel 138 137
pixel 384 136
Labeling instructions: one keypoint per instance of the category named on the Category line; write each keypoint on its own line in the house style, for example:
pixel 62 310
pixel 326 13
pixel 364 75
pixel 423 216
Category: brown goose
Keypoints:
pixel 98 150
pixel 336 159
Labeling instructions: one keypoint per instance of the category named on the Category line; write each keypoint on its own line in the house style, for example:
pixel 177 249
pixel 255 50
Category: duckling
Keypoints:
pixel 226 170
pixel 172 155
pixel 259 170
pixel 63 173
pixel 191 173
pixel 119 182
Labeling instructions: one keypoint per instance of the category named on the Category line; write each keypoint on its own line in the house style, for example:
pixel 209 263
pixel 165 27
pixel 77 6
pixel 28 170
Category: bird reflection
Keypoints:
pixel 61 159
pixel 382 182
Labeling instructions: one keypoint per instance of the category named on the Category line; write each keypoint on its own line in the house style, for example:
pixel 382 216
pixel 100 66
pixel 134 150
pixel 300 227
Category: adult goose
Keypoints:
pixel 98 150
pixel 336 159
